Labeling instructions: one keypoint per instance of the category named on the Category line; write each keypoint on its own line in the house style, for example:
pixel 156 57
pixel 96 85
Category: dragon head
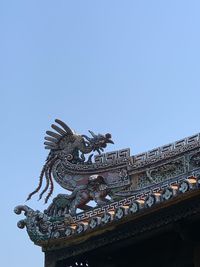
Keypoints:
pixel 99 141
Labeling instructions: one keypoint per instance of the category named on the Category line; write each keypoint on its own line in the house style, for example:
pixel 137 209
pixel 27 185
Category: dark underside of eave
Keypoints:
pixel 156 238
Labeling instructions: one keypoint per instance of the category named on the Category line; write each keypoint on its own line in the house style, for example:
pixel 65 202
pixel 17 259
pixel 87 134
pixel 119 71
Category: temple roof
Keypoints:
pixel 134 195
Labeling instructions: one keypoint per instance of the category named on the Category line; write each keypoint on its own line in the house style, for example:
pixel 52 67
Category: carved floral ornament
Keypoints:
pixel 121 185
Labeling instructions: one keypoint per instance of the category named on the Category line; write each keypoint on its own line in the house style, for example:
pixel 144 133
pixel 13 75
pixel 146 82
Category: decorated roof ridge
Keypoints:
pixel 158 153
pixel 137 196
pixel 187 141
pixel 161 150
pixel 114 180
pixel 141 196
pixel 42 229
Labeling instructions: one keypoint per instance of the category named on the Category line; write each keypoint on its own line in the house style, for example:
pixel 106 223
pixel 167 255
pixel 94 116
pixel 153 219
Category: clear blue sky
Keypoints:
pixel 131 68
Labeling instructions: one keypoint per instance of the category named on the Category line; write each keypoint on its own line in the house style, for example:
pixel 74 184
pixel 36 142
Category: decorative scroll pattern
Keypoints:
pixel 115 156
pixel 187 143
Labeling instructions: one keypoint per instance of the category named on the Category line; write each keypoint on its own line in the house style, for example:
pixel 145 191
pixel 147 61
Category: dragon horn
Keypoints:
pixel 59 130
pixel 86 137
pixel 51 139
pixel 50 144
pixel 67 129
pixel 52 134
pixel 93 134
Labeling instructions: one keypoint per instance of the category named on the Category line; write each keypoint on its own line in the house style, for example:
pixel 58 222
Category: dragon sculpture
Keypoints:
pixel 67 151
